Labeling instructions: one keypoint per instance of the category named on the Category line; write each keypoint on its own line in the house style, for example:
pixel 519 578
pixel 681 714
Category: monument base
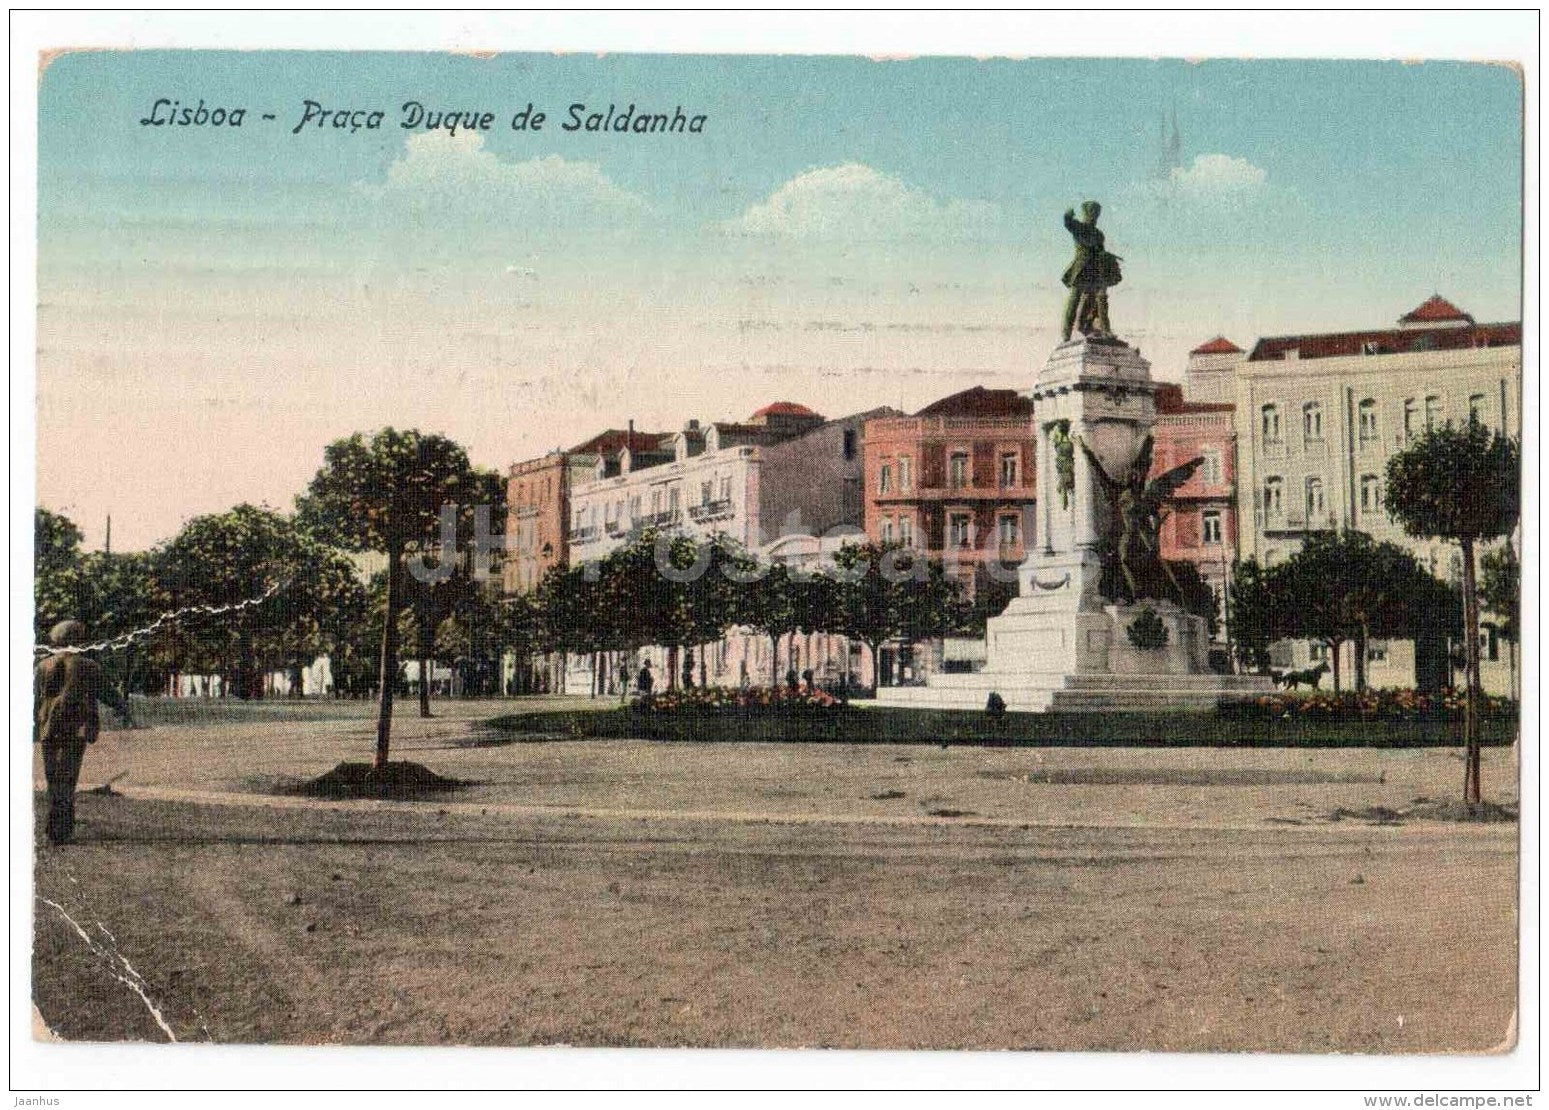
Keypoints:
pixel 1052 653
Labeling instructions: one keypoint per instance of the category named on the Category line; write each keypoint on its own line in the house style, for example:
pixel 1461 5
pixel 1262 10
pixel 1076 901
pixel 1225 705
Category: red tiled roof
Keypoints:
pixel 784 408
pixel 1388 341
pixel 1435 310
pixel 616 439
pixel 979 401
pixel 1220 345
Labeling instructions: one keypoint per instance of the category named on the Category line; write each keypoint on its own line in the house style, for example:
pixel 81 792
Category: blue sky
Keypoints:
pixel 845 232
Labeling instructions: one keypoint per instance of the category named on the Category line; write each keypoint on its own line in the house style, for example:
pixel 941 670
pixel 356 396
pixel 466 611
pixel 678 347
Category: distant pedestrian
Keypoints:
pixel 790 680
pixel 806 680
pixel 67 688
pixel 644 682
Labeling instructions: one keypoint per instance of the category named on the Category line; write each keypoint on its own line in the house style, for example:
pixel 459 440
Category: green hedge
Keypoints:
pixel 889 725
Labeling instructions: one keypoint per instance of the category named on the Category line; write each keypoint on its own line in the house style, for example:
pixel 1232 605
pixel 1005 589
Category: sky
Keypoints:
pixel 216 303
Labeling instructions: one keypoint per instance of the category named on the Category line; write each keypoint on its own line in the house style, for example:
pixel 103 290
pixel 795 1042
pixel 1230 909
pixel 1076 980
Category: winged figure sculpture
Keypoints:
pixel 1135 506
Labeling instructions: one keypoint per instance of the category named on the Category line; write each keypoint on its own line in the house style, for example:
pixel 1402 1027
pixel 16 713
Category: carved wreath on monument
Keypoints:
pixel 1133 567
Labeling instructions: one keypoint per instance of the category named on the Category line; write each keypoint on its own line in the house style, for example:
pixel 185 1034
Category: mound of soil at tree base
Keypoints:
pixel 398 781
pixel 1427 810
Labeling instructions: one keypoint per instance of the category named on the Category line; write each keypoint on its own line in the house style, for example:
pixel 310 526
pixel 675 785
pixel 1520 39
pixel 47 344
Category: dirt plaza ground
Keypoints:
pixel 781 895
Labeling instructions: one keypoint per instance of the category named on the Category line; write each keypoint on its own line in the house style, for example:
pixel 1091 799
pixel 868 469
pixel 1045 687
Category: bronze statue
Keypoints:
pixel 1090 274
pixel 1133 565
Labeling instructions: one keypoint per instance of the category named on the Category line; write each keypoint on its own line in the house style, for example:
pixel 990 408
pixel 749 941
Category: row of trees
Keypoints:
pixel 683 593
pixel 1460 484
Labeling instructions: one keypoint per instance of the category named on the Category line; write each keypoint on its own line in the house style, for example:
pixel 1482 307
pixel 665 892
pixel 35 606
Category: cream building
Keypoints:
pixel 786 471
pixel 786 486
pixel 1318 417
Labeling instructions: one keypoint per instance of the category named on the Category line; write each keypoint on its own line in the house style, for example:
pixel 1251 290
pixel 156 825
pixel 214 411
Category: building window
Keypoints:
pixel 1312 422
pixel 1317 651
pixel 1008 470
pixel 1008 531
pixel 673 500
pixel 634 507
pixel 1269 419
pixel 1367 418
pixel 725 489
pixel 905 473
pixel 960 530
pixel 1410 412
pixel 1432 412
pixel 1210 469
pixel 1477 414
pixel 887 529
pixel 906 531
pixel 885 479
pixel 849 443
pixel 706 492
pixel 1210 528
pixel 656 502
pixel 957 473
pixel 1316 506
pixel 1273 505
pixel 1377 651
pixel 1371 493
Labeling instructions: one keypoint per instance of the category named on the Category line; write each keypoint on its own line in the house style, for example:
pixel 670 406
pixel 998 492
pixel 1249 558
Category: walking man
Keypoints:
pixel 67 688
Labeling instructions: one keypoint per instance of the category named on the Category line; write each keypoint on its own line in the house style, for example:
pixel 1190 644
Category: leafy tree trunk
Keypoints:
pixel 774 660
pixel 702 676
pixel 876 664
pixel 247 688
pixel 427 647
pixel 1471 790
pixel 387 674
pixel 1361 637
pixel 1333 654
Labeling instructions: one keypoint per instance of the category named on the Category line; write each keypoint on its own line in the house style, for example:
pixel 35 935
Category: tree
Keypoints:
pixel 386 494
pixel 56 558
pixel 1464 485
pixel 1500 591
pixel 1500 588
pixel 888 590
pixel 770 606
pixel 1253 609
pixel 222 559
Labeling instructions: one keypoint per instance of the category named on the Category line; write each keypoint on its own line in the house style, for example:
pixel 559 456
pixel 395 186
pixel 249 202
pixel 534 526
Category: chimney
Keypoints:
pixel 693 425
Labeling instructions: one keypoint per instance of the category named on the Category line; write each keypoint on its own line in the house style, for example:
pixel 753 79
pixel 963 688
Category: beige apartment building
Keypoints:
pixel 1318 417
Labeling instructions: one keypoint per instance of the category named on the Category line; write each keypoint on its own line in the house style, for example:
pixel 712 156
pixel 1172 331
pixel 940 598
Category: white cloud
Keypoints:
pixel 458 176
pixel 1219 175
pixel 855 202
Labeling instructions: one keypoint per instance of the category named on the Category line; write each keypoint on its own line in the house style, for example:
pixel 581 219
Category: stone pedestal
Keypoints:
pixel 1060 643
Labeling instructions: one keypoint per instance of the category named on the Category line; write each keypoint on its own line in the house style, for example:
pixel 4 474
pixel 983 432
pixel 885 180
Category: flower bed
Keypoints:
pixel 702 700
pixel 1371 705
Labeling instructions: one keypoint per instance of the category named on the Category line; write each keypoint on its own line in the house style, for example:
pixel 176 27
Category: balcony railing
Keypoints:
pixel 962 425
pixel 586 534
pixel 615 527
pixel 960 493
pixel 661 520
pixel 710 510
